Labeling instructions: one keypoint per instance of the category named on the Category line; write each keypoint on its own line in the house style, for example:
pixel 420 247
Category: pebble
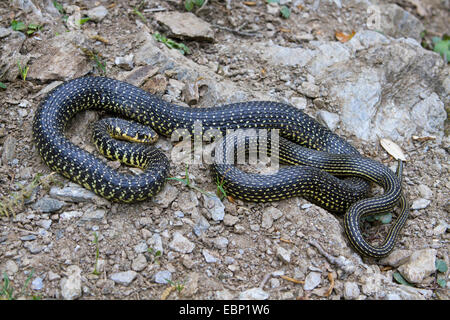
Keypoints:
pixel 97 14
pixel 141 247
pixel 351 290
pixel 420 265
pixel 283 254
pixel 125 62
pixel 48 204
pixel 4 32
pixel 53 276
pixel 11 267
pixel 139 263
pixel 37 284
pixel 33 247
pixel 420 204
pixel 254 294
pixel 186 25
pixel 93 215
pixel 166 196
pixel 70 215
pixel 124 278
pixel 71 286
pixel 209 258
pixel 201 226
pixel 329 119
pixel 220 242
pixel 230 220
pixel 163 276
pixel 28 237
pixel 215 207
pixel 269 215
pixel 44 223
pixel 425 191
pixel 72 193
pixel 396 258
pixel 9 149
pixel 181 244
pixel 155 242
pixel 312 280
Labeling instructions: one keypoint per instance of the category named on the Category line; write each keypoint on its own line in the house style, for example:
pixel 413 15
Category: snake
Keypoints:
pixel 324 168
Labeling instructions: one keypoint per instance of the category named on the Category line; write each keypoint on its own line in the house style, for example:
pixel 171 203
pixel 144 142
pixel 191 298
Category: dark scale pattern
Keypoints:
pixel 128 101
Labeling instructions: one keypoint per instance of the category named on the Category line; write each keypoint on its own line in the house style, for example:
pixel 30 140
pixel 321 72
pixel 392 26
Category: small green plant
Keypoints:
pixel 441 267
pixel 285 12
pixel 83 20
pixel 399 278
pixel 96 272
pixel 221 193
pixel 137 11
pixel 189 5
pixel 7 291
pixel 442 46
pixel 155 254
pixel 171 44
pixel 23 70
pixel 187 182
pixel 27 29
pixel 2 85
pixel 96 57
pixel 178 285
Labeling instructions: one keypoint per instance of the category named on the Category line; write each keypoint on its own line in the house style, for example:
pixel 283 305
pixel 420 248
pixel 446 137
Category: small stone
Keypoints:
pixel 230 220
pixel 309 89
pixel 67 215
pixel 139 263
pixel 9 149
pixel 141 247
pixel 351 290
pixel 28 237
pixel 97 14
pixel 48 204
pixel 11 267
pixel 425 191
pixel 201 226
pixel 312 280
pixel 37 284
pixel 166 196
pixel 209 258
pixel 163 277
pixel 420 204
pixel 215 207
pixel 155 242
pixel 396 258
pixel 93 215
pixel 125 62
pixel 220 242
pixel 420 265
pixel 124 278
pixel 4 32
pixel 53 276
pixel 283 254
pixel 191 286
pixel 33 247
pixel 44 223
pixel 254 294
pixel 72 193
pixel 329 119
pixel 269 215
pixel 299 102
pixel 71 286
pixel 186 25
pixel 181 244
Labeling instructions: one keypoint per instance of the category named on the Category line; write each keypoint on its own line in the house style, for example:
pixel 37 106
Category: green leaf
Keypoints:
pixel 2 85
pixel 58 7
pixel 399 278
pixel 18 25
pixel 83 20
pixel 385 218
pixel 442 283
pixel 189 5
pixel 285 12
pixel 441 266
pixel 443 48
pixel 199 3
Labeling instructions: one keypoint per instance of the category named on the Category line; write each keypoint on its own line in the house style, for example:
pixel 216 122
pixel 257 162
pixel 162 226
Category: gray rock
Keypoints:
pixel 4 32
pixel 163 277
pixel 72 193
pixel 312 280
pixel 220 242
pixel 93 215
pixel 396 258
pixel 9 149
pixel 420 204
pixel 215 207
pixel 351 290
pixel 209 258
pixel 139 263
pixel 46 223
pixel 97 14
pixel 309 89
pixel 155 242
pixel 33 247
pixel 181 244
pixel 10 267
pixel 125 62
pixel 425 191
pixel 28 237
pixel 124 278
pixel 330 119
pixel 141 247
pixel 201 226
pixel 185 25
pixel 53 276
pixel 398 22
pixel 420 265
pixel 67 215
pixel 37 284
pixel 284 255
pixel 230 220
pixel 269 215
pixel 166 196
pixel 71 285
pixel 254 294
pixel 48 204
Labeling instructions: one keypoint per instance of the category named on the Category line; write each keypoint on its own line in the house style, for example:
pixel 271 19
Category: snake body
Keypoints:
pixel 128 101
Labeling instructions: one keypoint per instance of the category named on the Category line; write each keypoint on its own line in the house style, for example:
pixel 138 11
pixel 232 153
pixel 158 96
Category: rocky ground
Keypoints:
pixel 58 240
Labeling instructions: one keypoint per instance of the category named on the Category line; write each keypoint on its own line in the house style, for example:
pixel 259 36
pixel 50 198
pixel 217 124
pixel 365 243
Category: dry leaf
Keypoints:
pixel 393 149
pixel 250 3
pixel 425 138
pixel 292 279
pixel 342 37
